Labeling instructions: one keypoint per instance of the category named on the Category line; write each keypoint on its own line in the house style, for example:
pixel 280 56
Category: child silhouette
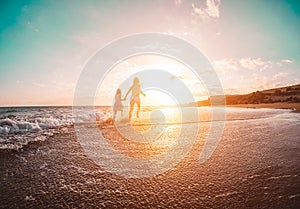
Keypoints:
pixel 118 106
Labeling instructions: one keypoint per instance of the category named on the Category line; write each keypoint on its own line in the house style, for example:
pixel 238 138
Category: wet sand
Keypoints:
pixel 293 106
pixel 253 167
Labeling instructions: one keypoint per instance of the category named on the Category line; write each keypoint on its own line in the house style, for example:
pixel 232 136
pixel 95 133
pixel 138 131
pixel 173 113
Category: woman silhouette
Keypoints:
pixel 135 90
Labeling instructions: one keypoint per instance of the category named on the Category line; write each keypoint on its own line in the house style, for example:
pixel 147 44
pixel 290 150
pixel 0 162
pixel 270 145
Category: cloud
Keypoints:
pixel 213 8
pixel 32 27
pixel 88 39
pixel 226 65
pixel 19 81
pixel 210 10
pixel 256 63
pixel 260 74
pixel 178 2
pixel 287 61
pixel 296 81
pixel 259 82
pixel 39 85
pixel 280 75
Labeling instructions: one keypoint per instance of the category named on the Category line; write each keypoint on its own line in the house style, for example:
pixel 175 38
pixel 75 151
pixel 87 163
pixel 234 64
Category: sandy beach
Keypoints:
pixel 293 106
pixel 122 104
pixel 256 165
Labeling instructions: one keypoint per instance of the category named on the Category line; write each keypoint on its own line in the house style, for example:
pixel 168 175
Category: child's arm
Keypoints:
pixel 120 97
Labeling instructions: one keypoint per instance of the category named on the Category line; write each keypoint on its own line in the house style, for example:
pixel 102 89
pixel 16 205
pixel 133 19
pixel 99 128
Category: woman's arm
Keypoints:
pixel 128 92
pixel 142 92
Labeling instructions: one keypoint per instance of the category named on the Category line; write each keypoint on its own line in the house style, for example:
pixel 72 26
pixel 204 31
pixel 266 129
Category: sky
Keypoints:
pixel 44 45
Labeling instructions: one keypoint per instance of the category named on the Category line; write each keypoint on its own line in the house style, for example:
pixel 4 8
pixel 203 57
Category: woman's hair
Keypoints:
pixel 118 91
pixel 136 80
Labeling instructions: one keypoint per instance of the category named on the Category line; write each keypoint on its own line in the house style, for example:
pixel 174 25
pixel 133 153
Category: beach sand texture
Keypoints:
pixel 256 165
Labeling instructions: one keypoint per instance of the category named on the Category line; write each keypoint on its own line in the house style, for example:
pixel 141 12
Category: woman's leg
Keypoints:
pixel 138 103
pixel 131 108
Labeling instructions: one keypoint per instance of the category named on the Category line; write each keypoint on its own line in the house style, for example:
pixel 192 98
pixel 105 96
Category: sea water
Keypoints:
pixel 21 125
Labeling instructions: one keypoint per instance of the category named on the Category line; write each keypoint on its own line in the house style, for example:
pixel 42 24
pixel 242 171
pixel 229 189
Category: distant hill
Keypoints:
pixel 289 94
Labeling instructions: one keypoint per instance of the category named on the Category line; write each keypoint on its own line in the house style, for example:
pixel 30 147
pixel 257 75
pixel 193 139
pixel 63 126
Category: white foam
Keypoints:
pixel 7 121
pixel 4 130
pixel 91 116
pixel 26 124
pixel 7 144
pixel 12 126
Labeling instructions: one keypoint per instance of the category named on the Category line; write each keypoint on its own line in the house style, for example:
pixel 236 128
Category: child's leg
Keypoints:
pixel 114 116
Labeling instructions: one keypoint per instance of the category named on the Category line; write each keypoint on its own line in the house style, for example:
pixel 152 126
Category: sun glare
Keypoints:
pixel 158 98
pixel 119 75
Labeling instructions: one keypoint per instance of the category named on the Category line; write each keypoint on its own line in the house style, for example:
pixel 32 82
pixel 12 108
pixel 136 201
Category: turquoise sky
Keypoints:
pixel 253 44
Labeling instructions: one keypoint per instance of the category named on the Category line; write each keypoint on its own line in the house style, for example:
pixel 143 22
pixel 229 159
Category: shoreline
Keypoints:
pixel 295 107
pixel 248 162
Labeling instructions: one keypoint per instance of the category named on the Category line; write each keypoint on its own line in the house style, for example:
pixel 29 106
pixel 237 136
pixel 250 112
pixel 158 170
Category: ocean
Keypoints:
pixel 44 165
